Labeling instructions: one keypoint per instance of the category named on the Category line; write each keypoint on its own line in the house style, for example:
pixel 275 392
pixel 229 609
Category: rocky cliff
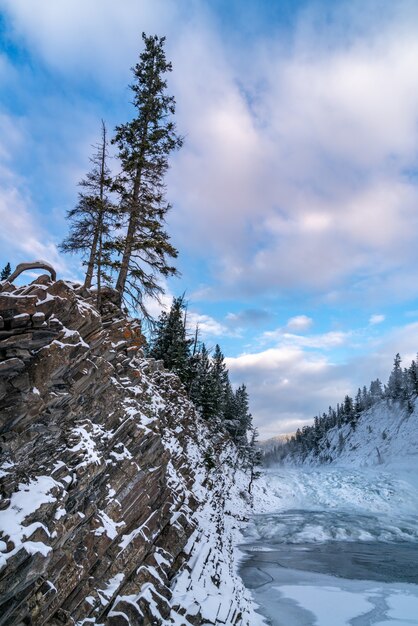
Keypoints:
pixel 118 504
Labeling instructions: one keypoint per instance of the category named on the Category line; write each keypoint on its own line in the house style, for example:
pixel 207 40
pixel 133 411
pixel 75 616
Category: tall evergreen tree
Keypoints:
pixel 202 392
pixel 395 382
pixel 230 410
pixel 144 145
pixel 6 271
pixel 413 377
pixel 91 219
pixel 170 343
pixel 237 417
pixel 219 380
pixel 375 391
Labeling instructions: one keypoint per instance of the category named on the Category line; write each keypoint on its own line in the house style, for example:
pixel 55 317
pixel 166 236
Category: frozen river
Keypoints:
pixel 340 548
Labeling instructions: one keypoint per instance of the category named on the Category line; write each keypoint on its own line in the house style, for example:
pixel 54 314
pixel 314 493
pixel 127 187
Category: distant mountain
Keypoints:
pixel 270 444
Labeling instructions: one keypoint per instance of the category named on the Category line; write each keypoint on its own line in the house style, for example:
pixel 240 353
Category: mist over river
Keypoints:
pixel 340 548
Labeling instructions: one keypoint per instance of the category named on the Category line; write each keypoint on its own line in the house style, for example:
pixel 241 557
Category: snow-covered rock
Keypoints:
pixel 110 510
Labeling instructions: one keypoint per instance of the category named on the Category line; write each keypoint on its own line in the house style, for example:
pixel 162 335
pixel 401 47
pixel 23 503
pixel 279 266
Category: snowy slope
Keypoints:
pixel 385 435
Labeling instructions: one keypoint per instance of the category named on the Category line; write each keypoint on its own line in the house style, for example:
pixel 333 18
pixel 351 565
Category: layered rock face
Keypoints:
pixel 103 464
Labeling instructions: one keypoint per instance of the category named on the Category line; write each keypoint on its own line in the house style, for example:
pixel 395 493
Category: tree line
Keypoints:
pixel 402 387
pixel 206 380
pixel 118 224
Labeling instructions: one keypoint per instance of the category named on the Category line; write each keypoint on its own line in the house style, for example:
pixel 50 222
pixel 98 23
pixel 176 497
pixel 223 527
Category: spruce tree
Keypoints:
pixel 237 417
pixel 202 392
pixel 219 376
pixel 170 343
pixel 395 382
pixel 93 217
pixel 375 391
pixel 144 145
pixel 6 271
pixel 230 411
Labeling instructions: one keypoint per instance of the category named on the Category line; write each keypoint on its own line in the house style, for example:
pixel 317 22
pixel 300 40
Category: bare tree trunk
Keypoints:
pixel 99 273
pixel 196 337
pixel 130 235
pixel 98 232
pixel 101 216
pixel 133 220
pixel 90 264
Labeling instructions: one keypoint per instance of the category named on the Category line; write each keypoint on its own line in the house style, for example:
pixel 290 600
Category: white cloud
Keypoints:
pixel 294 173
pixel 299 322
pixel 293 170
pixel 376 319
pixel 208 326
pixel 323 341
pixel 275 377
pixel 313 162
pixel 291 383
pixel 22 235
pixel 97 39
pixel 155 306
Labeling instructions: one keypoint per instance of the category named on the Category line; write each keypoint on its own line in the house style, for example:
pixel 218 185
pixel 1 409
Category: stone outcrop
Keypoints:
pixel 34 265
pixel 100 455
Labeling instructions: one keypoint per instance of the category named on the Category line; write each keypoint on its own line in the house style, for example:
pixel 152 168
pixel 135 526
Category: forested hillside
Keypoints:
pixel 371 428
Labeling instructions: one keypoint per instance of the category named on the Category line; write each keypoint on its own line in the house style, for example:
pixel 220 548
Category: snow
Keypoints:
pixel 112 587
pixel 4 467
pixel 74 334
pixel 211 580
pixel 109 526
pixel 127 539
pixel 23 503
pixel 87 445
pixel 386 435
pixel 60 512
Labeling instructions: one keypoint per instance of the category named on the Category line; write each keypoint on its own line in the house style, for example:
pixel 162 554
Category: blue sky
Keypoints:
pixel 294 197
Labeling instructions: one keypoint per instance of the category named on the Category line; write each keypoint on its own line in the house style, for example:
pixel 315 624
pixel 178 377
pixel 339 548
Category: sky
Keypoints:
pixel 295 195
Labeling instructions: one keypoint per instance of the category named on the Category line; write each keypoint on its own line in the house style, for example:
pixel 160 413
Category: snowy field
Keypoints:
pixel 339 546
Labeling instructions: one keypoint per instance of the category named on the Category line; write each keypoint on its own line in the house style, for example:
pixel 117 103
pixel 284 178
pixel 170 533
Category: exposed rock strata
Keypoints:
pixel 102 468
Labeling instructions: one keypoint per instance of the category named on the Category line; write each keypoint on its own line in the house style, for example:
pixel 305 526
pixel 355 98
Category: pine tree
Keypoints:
pixel 395 382
pixel 413 377
pixel 144 145
pixel 219 376
pixel 348 410
pixel 229 407
pixel 358 404
pixel 237 417
pixel 170 343
pixel 202 392
pixel 375 391
pixel 92 218
pixel 6 271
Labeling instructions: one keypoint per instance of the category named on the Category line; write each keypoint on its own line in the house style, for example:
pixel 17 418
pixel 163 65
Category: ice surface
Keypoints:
pixel 329 605
pixel 339 547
